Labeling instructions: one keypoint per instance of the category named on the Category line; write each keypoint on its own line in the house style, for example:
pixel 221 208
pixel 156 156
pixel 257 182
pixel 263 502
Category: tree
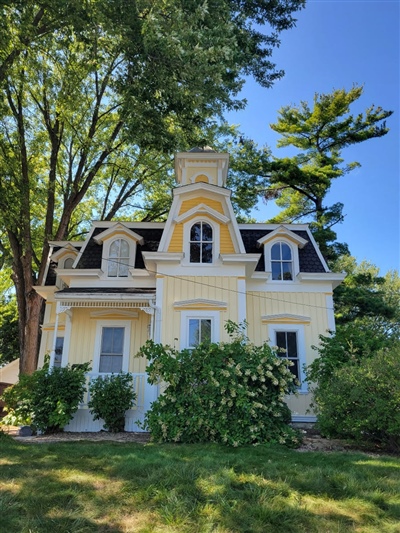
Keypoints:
pixel 301 182
pixel 90 89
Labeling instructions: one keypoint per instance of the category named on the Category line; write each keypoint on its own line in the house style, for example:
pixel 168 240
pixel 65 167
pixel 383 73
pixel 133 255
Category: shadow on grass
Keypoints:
pixel 73 487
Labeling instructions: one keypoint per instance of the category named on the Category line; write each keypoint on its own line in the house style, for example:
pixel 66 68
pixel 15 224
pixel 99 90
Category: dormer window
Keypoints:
pixel 201 243
pixel 69 262
pixel 281 262
pixel 118 259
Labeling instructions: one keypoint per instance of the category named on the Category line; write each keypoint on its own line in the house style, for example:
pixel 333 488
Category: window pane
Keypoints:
pixel 281 339
pixel 68 262
pixel 276 270
pixel 123 268
pixel 286 252
pixel 124 248
pixel 110 363
pixel 291 344
pixel 276 252
pixel 106 341
pixel 206 256
pixel 205 331
pixel 287 270
pixel 194 331
pixel 112 268
pixel 294 369
pixel 195 232
pixel 207 232
pixel 114 249
pixel 118 340
pixel 195 253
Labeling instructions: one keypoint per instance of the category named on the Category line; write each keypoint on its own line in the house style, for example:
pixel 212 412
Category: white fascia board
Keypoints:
pixel 249 261
pixel 282 231
pixel 262 225
pixel 118 227
pixel 167 233
pixel 68 248
pixel 45 291
pixel 128 224
pixel 322 277
pixel 139 272
pixel 152 259
pixel 66 274
pixel 71 297
pixel 202 209
pixel 193 189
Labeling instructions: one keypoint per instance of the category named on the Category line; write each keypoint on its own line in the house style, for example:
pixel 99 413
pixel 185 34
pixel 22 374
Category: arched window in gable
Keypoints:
pixel 118 259
pixel 201 243
pixel 68 262
pixel 281 261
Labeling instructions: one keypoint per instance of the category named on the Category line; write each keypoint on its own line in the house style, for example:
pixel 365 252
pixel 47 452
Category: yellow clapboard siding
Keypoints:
pixel 187 205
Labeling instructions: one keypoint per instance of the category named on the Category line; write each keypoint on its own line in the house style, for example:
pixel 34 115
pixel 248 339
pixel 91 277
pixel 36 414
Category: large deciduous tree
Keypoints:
pixel 89 89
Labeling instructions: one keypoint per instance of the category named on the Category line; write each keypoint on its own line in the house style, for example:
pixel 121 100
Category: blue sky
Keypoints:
pixel 337 44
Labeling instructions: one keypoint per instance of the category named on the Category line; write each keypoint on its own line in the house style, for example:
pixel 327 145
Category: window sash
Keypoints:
pixel 288 341
pixel 112 349
pixel 199 331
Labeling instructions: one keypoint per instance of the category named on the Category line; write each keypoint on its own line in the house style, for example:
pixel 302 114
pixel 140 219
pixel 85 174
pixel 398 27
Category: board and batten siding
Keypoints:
pixel 214 288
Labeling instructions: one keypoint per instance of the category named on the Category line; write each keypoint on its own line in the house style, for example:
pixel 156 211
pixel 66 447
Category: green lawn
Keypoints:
pixel 84 487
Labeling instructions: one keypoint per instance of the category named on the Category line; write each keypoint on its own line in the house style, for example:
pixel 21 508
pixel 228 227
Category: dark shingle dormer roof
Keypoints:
pixel 309 260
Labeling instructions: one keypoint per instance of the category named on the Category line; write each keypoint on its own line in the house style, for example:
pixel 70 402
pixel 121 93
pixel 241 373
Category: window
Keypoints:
pixel 281 262
pixel 58 351
pixel 112 349
pixel 199 331
pixel 201 243
pixel 287 342
pixel 118 259
pixel 68 262
pixel 199 327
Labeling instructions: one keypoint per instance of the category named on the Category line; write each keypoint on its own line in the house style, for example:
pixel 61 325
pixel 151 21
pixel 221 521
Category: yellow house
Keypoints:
pixel 178 282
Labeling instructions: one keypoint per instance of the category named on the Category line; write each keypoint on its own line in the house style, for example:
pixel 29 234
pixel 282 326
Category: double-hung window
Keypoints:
pixel 58 351
pixel 112 349
pixel 201 243
pixel 287 343
pixel 199 327
pixel 199 331
pixel 118 259
pixel 281 261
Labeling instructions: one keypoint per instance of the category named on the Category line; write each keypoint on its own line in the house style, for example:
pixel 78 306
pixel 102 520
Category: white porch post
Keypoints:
pixel 53 348
pixel 67 338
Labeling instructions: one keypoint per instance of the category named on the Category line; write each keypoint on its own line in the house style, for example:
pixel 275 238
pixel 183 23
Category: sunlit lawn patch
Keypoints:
pixel 84 487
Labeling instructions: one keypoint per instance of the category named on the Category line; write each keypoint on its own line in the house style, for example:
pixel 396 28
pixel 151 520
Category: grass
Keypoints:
pixel 112 487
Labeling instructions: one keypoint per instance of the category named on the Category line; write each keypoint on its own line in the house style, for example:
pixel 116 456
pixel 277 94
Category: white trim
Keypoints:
pixel 286 317
pixel 301 346
pixel 202 209
pixel 120 312
pixel 126 324
pixel 159 303
pixel 282 233
pixel 295 259
pixel 200 301
pixel 242 301
pixel 117 229
pixel 332 277
pixel 67 338
pixel 330 311
pixel 214 316
pixel 67 249
pixel 215 242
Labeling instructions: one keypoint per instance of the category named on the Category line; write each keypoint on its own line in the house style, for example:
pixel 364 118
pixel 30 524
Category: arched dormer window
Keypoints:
pixel 281 261
pixel 118 259
pixel 201 243
pixel 69 262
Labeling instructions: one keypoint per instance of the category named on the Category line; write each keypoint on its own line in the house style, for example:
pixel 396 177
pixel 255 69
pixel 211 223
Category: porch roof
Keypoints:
pixel 105 297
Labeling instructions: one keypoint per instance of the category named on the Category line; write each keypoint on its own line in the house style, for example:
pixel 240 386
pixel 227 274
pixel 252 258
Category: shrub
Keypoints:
pixel 233 393
pixel 110 398
pixel 46 399
pixel 362 401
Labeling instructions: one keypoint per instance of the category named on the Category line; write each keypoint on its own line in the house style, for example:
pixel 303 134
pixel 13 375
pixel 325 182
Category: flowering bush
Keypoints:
pixel 232 393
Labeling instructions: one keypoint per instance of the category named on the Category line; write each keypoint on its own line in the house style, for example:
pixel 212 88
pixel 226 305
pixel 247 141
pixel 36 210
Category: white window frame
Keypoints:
pixel 126 324
pixel 301 347
pixel 59 336
pixel 106 255
pixel 214 316
pixel 295 258
pixel 186 241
